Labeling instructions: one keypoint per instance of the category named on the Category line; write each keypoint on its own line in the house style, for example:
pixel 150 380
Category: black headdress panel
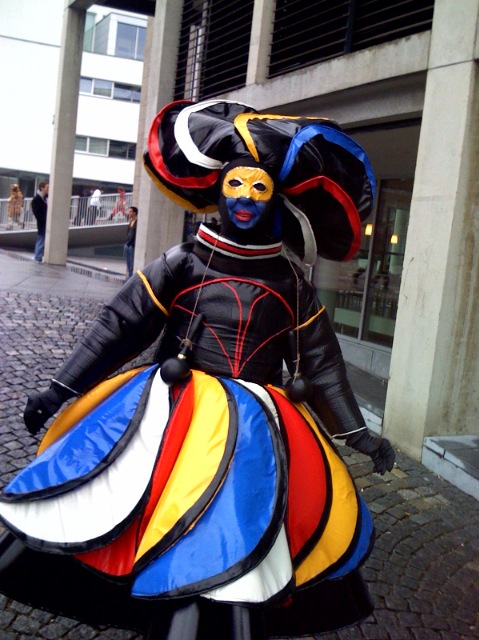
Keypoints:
pixel 324 178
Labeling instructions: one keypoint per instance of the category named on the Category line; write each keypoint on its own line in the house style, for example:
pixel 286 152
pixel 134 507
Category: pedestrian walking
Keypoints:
pixel 39 208
pixel 95 205
pixel 120 208
pixel 129 248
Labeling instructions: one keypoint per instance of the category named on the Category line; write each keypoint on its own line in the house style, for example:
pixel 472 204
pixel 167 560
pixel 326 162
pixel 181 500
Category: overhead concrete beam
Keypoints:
pixel 401 63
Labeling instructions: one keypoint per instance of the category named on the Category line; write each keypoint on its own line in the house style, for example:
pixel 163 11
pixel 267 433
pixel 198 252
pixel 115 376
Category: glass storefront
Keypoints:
pixel 361 296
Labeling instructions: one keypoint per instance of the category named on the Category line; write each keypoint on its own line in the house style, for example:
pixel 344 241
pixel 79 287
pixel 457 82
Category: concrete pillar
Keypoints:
pixel 142 124
pixel 160 222
pixel 59 197
pixel 434 377
pixel 260 43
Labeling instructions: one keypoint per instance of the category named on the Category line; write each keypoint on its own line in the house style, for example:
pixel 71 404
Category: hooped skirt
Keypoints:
pixel 144 496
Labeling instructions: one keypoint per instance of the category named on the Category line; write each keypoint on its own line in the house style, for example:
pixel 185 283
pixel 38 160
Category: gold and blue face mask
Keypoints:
pixel 247 195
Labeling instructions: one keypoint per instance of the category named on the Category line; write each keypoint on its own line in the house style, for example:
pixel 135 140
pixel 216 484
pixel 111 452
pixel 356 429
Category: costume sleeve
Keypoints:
pixel 322 362
pixel 125 327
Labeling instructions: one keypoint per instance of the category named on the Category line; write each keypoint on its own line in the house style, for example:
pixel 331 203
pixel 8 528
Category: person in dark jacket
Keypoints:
pixel 129 248
pixel 202 493
pixel 39 208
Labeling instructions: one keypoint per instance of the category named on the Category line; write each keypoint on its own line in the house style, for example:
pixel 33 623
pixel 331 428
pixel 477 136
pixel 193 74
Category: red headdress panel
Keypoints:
pixel 324 178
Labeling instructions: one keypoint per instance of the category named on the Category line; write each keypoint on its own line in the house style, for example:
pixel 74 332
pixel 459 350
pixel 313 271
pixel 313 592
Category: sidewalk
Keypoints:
pixel 98 278
pixel 423 573
pixel 455 458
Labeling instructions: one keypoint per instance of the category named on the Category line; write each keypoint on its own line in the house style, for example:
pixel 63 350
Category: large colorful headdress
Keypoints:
pixel 324 178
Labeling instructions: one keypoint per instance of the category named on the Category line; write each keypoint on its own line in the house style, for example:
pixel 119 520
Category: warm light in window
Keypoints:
pixel 394 238
pixel 368 230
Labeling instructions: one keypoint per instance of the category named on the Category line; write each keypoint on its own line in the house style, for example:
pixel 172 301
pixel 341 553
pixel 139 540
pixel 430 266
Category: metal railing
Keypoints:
pixel 112 209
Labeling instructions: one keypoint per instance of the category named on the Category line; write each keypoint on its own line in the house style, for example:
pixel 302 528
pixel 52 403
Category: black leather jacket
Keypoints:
pixel 248 306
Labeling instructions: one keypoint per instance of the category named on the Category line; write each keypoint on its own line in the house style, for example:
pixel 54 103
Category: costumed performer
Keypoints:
pixel 198 496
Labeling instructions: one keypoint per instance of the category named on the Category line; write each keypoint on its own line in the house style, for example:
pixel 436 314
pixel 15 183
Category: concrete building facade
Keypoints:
pixel 404 309
pixel 105 105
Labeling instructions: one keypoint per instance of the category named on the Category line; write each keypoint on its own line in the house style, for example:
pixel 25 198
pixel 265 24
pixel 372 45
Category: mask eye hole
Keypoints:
pixel 234 182
pixel 259 186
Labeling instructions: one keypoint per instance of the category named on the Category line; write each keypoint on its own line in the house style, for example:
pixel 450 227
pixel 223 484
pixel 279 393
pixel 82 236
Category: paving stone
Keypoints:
pixel 397 632
pixel 26 624
pixel 52 631
pixel 118 634
pixel 82 632
pixel 42 616
pixel 379 588
pixel 350 634
pixel 372 631
pixel 6 618
pixel 18 607
pixel 426 634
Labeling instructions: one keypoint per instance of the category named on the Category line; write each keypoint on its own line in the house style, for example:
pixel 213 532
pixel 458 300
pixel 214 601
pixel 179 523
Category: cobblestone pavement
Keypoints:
pixel 423 573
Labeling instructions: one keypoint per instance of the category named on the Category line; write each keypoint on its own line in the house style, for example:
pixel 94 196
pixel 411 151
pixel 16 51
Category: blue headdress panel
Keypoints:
pixel 324 179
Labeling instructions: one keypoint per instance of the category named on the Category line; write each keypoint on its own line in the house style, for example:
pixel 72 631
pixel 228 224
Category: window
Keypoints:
pixel 102 88
pixel 97 146
pixel 86 85
pixel 115 35
pixel 109 89
pixel 126 92
pixel 81 143
pixel 388 240
pixel 119 149
pixel 140 43
pixel 101 36
pixel 103 147
pixel 130 41
pixel 89 31
pixel 362 295
pixel 96 87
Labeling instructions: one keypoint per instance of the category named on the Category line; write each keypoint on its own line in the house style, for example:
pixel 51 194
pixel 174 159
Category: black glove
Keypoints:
pixel 378 449
pixel 41 406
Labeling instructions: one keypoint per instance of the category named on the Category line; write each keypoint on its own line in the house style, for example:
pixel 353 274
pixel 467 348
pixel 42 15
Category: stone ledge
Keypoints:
pixel 456 459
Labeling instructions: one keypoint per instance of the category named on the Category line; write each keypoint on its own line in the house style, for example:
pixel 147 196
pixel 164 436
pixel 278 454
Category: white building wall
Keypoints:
pixel 102 117
pixel 89 167
pixel 95 65
pixel 32 20
pixel 30 33
pixel 106 118
pixel 29 54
